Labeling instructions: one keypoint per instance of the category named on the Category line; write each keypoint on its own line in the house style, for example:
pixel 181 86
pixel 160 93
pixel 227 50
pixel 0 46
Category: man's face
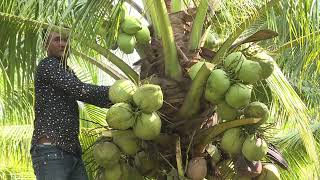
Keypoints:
pixel 58 45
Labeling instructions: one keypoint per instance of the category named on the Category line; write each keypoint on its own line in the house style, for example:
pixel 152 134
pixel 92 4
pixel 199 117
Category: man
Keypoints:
pixel 56 151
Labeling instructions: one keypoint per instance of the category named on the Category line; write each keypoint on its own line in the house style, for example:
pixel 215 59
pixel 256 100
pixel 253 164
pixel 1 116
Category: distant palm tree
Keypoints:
pixel 294 84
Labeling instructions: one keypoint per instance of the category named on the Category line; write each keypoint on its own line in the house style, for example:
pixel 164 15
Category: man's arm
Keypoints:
pixel 51 71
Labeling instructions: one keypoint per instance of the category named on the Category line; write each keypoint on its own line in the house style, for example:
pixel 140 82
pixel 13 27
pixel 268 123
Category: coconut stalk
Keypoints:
pixel 197 25
pixel 171 61
pixel 235 34
pixel 191 104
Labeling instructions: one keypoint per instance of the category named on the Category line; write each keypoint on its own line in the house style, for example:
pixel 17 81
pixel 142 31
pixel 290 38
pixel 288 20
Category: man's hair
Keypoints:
pixel 45 32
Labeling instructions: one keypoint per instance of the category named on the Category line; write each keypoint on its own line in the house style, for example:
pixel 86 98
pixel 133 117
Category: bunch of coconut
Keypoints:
pixel 131 32
pixel 135 108
pixel 132 119
pixel 229 88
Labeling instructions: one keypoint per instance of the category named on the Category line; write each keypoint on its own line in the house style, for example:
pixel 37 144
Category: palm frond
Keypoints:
pixel 296 112
pixel 293 149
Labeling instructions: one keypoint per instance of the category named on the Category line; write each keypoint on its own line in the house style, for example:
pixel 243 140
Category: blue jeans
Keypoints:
pixel 52 163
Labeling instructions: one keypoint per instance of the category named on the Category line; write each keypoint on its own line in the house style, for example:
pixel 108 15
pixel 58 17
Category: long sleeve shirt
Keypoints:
pixel 57 90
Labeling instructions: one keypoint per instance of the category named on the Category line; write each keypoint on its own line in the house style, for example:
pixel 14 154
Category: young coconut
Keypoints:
pixel 122 91
pixel 213 97
pixel 147 126
pixel 194 69
pixel 232 141
pixel 126 43
pixel 123 13
pixel 233 61
pixel 226 112
pixel 127 142
pixel 238 95
pixel 143 35
pixel 130 25
pixel 211 41
pixel 218 81
pixel 257 110
pixel 266 62
pixel 106 154
pixel 269 172
pixel 148 98
pixel 250 72
pixel 120 116
pixel 254 149
pixel 197 168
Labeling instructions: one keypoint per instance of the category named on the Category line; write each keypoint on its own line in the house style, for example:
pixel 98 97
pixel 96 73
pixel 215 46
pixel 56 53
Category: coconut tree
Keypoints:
pixel 178 33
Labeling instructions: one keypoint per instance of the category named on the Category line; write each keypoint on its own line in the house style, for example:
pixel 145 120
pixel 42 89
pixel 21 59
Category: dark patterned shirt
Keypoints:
pixel 57 90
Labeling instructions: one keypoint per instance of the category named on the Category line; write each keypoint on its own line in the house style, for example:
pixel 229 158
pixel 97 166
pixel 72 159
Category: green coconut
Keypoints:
pixel 194 69
pixel 120 116
pixel 211 41
pixel 257 110
pixel 127 142
pixel 226 112
pixel 148 98
pixel 269 172
pixel 232 141
pixel 122 91
pixel 238 95
pixel 123 13
pixel 130 25
pixel 213 97
pixel 267 68
pixel 254 149
pixel 113 172
pixel 143 35
pixel 216 86
pixel 266 62
pixel 250 71
pixel 233 61
pixel 106 154
pixel 144 163
pixel 147 126
pixel 218 81
pixel 126 43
